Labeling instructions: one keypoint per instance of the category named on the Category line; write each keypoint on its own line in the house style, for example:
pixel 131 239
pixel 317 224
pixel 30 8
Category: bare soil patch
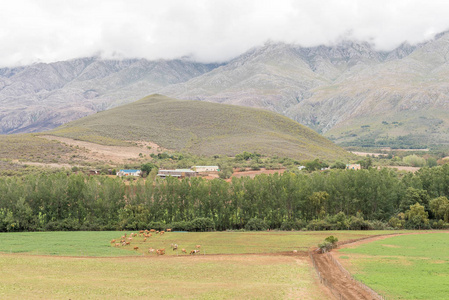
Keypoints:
pixel 253 173
pixel 338 280
pixel 366 153
pixel 111 154
pixel 401 168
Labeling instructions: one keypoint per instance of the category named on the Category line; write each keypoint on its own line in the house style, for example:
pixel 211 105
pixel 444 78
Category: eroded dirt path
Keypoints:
pixel 337 281
pixel 103 153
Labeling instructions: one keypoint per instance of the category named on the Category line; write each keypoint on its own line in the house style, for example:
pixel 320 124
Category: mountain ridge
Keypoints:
pixel 334 89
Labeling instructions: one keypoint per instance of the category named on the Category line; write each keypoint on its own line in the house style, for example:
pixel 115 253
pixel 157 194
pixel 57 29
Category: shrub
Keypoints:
pixel 320 225
pixel 180 226
pixel 256 224
pixel 202 224
pixel 414 161
pixel 157 225
pixel 293 225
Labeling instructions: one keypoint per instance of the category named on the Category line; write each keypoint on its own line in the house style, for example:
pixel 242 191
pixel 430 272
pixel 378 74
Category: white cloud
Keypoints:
pixel 52 30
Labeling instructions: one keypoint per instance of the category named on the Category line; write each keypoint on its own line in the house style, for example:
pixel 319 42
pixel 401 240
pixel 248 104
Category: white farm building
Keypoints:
pixel 206 168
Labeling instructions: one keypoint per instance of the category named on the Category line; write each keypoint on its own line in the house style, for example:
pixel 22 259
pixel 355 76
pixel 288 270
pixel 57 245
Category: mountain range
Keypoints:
pixel 350 92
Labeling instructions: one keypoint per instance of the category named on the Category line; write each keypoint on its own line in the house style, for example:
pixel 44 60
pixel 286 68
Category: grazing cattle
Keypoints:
pixel 160 251
pixel 141 231
pixel 152 230
pixel 136 248
pixel 174 246
pixel 123 237
pixel 130 239
pixel 117 244
pixel 161 233
pixel 151 250
pixel 127 243
pixel 168 230
pixel 198 246
pixel 295 251
pixel 113 241
pixel 184 250
pixel 194 251
pixel 145 239
pixel 123 244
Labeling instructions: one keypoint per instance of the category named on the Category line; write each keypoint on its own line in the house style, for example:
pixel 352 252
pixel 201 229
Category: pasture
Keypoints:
pixel 199 277
pixel 237 265
pixel 97 243
pixel 403 267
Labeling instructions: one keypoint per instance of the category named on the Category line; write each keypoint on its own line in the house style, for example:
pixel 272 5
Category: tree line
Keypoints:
pixel 334 199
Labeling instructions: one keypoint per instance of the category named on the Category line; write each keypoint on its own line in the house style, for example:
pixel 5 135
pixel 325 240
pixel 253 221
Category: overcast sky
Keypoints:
pixel 208 31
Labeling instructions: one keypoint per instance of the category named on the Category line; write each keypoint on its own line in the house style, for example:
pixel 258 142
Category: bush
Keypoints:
pixel 414 161
pixel 180 226
pixel 202 224
pixel 320 225
pixel 157 225
pixel 293 225
pixel 358 223
pixel 256 224
pixel 377 225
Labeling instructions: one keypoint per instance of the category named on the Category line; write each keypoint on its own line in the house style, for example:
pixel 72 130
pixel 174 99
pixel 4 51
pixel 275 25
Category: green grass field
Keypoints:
pixel 403 267
pixel 97 243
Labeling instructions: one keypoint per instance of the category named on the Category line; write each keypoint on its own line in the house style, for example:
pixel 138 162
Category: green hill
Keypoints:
pixel 202 128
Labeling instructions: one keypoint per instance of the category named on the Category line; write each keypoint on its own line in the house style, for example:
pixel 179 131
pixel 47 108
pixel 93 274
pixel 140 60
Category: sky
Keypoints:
pixel 204 30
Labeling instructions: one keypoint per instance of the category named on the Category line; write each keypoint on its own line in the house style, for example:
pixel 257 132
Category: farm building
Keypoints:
pixel 129 173
pixel 353 167
pixel 206 168
pixel 180 173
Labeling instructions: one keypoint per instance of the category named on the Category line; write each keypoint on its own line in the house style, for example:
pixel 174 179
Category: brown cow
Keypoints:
pixel 160 251
pixel 136 248
pixel 113 241
pixel 145 239
pixel 174 246
pixel 117 244
pixel 161 233
pixel 198 246
pixel 168 230
pixel 151 250
pixel 141 231
pixel 194 251
pixel 184 250
pixel 152 230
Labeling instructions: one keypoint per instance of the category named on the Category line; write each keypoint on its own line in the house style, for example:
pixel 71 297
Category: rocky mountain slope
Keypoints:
pixel 44 96
pixel 349 92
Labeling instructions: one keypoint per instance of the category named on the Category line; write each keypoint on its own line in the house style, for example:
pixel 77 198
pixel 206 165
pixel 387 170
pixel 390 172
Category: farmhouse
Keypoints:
pixel 180 173
pixel 353 167
pixel 129 173
pixel 206 168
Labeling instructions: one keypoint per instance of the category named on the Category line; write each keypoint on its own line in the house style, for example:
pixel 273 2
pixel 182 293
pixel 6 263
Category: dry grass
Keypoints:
pixel 201 128
pixel 217 277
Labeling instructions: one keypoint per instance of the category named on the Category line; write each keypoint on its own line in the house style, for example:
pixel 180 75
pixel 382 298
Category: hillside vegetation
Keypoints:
pixel 202 128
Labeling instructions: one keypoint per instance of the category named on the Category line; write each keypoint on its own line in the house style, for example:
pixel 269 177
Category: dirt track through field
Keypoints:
pixel 339 281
